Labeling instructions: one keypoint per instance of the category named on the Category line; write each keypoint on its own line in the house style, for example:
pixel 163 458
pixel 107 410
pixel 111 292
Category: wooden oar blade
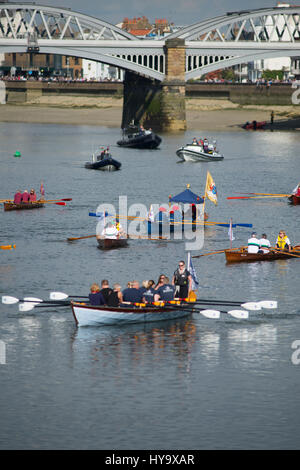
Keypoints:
pixel 213 314
pixel 240 314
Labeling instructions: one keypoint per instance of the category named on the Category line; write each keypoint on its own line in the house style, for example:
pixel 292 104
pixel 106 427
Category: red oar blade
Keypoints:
pixel 239 197
pixel 60 203
pixel 67 199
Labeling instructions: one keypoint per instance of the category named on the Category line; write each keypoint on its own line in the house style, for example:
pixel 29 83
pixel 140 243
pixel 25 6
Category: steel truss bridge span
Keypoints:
pixel 212 44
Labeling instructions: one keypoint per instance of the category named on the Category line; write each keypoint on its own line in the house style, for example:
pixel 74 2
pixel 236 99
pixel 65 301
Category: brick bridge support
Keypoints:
pixel 160 105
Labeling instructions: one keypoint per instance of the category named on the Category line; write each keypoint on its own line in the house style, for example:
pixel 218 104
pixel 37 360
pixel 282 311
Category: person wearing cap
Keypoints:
pixel 253 244
pixel 32 195
pixel 25 196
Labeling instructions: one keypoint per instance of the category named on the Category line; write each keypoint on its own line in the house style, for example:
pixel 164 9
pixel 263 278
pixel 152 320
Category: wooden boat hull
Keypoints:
pixel 293 199
pixel 86 315
pixel 111 243
pixel 143 141
pixel 10 206
pixel 240 256
pixel 192 153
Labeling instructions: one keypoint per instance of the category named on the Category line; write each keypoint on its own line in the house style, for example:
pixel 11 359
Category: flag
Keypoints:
pixel 230 232
pixel 42 189
pixel 192 272
pixel 151 214
pixel 211 189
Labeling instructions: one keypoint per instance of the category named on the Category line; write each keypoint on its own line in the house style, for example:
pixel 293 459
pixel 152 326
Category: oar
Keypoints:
pixel 71 239
pixel 9 300
pixel 257 197
pixel 60 203
pixel 288 253
pixel 62 199
pixel 268 194
pixel 7 247
pixel 216 252
pixel 6 200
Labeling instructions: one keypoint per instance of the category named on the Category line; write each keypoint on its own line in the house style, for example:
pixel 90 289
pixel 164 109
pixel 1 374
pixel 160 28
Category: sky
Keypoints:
pixel 180 12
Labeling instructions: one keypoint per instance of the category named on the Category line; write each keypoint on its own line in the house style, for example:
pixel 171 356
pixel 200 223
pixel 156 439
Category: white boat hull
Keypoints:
pixel 192 153
pixel 97 316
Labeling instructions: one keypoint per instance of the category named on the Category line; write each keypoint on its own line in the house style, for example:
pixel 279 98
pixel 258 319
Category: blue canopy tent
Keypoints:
pixel 187 197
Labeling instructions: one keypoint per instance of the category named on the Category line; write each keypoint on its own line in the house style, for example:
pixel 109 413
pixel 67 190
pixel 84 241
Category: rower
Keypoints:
pixel 282 242
pixel 32 195
pixel 25 196
pixel 148 294
pixel 133 294
pixel 264 244
pixel 165 292
pixel 105 289
pixel 253 244
pixel 95 296
pixel 18 197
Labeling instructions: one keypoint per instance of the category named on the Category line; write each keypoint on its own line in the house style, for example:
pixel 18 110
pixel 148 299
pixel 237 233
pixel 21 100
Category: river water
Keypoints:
pixel 189 384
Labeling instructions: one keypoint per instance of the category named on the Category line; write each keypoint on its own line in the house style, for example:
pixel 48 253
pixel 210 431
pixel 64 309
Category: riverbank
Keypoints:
pixel 201 114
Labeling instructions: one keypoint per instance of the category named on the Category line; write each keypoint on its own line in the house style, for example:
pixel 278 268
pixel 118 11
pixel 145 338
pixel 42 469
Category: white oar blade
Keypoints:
pixel 26 306
pixel 240 314
pixel 33 299
pixel 214 314
pixel 252 305
pixel 58 296
pixel 7 299
pixel 268 303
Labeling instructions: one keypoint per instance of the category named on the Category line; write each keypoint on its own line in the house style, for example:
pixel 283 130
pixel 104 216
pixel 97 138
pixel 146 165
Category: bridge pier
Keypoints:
pixel 155 104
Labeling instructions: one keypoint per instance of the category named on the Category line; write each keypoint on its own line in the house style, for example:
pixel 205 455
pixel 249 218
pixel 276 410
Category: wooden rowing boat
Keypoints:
pixel 293 199
pixel 238 256
pixel 11 206
pixel 88 315
pixel 105 243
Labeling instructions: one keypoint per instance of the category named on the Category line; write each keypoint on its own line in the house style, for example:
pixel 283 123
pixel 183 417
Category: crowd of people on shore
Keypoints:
pixel 25 196
pixel 149 292
pixel 263 245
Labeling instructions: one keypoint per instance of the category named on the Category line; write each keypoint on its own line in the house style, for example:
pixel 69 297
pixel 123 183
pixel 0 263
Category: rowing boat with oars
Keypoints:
pixel 11 206
pixel 293 199
pixel 88 315
pixel 105 243
pixel 242 255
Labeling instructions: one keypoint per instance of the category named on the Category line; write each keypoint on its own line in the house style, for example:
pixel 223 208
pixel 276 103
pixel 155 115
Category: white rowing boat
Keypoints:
pixel 87 315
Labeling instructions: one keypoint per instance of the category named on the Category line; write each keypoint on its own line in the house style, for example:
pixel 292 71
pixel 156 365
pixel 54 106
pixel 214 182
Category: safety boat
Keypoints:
pixel 140 138
pixel 103 162
pixel 199 151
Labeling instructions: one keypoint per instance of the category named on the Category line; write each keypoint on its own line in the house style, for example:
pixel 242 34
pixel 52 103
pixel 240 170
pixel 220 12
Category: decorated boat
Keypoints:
pixel 11 206
pixel 199 151
pixel 242 256
pixel 103 162
pixel 88 315
pixel 135 137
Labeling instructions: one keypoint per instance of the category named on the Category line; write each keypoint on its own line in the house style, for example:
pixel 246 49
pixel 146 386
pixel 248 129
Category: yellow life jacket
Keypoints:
pixel 281 242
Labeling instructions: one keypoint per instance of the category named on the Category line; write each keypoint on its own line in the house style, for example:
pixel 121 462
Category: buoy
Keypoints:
pixel 17 153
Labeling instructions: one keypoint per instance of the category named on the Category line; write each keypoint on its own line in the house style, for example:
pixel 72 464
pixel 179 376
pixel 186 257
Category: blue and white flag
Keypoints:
pixel 193 273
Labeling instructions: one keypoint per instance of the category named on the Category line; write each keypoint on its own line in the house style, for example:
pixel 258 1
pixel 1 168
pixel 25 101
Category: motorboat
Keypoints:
pixel 139 138
pixel 195 152
pixel 103 162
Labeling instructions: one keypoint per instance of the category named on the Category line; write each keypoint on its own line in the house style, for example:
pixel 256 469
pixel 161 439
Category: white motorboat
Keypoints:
pixel 89 315
pixel 196 153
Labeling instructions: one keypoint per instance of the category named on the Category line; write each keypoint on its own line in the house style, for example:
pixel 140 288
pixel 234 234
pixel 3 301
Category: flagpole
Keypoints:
pixel 230 233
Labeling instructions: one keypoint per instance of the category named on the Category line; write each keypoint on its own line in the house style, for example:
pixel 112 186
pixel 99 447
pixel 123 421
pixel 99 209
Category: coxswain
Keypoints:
pixel 25 196
pixel 253 244
pixel 283 242
pixel 165 292
pixel 264 244
pixel 32 195
pixel 95 296
pixel 18 197
pixel 182 280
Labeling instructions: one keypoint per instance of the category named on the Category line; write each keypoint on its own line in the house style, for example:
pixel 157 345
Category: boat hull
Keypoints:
pixel 10 206
pixel 111 243
pixel 241 256
pixel 293 199
pixel 189 155
pixel 146 141
pixel 107 164
pixel 99 316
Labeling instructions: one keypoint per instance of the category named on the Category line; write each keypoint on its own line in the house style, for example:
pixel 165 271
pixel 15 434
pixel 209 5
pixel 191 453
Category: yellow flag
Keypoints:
pixel 210 189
